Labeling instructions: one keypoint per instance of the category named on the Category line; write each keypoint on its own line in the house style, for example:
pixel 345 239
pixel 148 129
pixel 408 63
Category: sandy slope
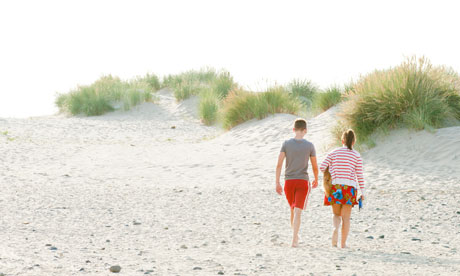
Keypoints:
pixel 125 188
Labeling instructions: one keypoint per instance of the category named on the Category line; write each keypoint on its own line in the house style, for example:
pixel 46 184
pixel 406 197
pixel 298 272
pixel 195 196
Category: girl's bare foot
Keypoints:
pixel 335 237
pixel 295 242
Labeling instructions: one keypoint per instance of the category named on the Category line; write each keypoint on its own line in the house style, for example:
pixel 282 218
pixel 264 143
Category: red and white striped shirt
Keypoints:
pixel 345 166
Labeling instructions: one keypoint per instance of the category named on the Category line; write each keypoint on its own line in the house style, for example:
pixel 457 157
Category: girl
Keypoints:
pixel 345 166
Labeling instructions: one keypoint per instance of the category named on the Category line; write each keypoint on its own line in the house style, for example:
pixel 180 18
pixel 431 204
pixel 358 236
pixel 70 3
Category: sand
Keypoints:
pixel 79 195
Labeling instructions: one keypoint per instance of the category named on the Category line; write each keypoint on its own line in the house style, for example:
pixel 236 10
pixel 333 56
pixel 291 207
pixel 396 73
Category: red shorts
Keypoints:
pixel 297 192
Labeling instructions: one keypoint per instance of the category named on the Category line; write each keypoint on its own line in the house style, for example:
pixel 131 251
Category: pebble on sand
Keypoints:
pixel 197 268
pixel 115 268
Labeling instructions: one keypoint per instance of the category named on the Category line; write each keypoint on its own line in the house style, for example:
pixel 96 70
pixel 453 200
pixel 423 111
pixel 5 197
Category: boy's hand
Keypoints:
pixel 279 189
pixel 315 183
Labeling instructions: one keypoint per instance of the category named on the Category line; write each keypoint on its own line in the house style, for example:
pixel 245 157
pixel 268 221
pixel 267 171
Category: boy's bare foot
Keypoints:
pixel 335 237
pixel 295 242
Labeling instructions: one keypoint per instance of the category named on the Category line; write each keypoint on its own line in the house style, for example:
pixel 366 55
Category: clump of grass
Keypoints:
pixel 209 106
pixel 190 82
pixel 212 86
pixel 241 106
pixel 152 80
pixel 304 90
pixel 186 89
pixel 99 97
pixel 414 94
pixel 205 75
pixel 327 99
pixel 222 84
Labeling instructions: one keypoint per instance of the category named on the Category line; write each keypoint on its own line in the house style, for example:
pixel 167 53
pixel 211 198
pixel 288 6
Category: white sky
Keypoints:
pixel 51 46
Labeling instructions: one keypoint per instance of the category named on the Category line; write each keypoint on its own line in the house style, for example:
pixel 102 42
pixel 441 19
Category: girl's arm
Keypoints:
pixel 359 174
pixel 326 163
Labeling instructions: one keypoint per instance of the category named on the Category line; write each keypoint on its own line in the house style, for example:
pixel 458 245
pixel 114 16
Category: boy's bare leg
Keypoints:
pixel 292 217
pixel 336 220
pixel 346 213
pixel 296 226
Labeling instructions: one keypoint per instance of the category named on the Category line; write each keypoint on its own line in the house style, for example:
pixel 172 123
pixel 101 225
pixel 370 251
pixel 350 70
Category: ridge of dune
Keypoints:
pixel 421 152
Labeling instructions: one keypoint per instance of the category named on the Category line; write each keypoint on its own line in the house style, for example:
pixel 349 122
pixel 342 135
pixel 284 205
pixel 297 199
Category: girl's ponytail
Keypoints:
pixel 348 137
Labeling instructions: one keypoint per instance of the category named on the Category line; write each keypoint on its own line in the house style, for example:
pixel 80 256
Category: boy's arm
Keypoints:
pixel 314 165
pixel 279 166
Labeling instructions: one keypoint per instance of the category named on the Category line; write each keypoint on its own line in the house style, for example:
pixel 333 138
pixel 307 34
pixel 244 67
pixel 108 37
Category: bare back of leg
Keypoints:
pixel 346 214
pixel 296 226
pixel 336 220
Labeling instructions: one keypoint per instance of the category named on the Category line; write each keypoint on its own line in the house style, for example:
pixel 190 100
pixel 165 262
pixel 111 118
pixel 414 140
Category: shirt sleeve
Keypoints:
pixel 359 174
pixel 313 151
pixel 283 147
pixel 326 163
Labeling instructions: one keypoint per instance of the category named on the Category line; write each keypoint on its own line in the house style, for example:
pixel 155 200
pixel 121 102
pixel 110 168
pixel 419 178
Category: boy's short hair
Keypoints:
pixel 300 124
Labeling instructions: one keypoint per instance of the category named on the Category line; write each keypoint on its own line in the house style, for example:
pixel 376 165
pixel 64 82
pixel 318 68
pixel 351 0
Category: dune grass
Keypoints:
pixel 209 106
pixel 100 97
pixel 152 80
pixel 210 85
pixel 327 99
pixel 241 106
pixel 222 84
pixel 304 90
pixel 415 95
pixel 190 83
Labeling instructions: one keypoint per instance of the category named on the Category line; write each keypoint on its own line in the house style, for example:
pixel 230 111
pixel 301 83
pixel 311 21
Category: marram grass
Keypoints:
pixel 304 90
pixel 327 99
pixel 209 106
pixel 99 97
pixel 414 95
pixel 241 106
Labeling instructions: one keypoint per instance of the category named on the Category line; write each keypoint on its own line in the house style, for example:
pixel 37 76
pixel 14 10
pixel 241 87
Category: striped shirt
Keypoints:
pixel 345 166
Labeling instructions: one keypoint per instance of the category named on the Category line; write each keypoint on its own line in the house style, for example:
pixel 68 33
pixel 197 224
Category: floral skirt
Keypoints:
pixel 341 194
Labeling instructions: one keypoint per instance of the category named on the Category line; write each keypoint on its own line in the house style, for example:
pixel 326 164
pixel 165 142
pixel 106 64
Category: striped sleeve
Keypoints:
pixel 326 163
pixel 359 173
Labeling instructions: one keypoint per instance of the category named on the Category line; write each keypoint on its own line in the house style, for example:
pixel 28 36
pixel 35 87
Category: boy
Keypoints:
pixel 297 187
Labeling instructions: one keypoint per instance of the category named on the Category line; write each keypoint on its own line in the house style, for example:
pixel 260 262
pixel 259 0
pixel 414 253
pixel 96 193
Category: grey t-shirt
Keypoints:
pixel 298 152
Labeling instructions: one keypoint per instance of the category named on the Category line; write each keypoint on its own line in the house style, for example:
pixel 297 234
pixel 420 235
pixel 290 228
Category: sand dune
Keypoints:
pixel 78 195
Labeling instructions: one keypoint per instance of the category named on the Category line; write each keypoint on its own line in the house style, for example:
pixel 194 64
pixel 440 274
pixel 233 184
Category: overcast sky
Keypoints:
pixel 51 46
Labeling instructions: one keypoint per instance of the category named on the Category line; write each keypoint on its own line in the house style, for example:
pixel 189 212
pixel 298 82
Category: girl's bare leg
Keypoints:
pixel 336 220
pixel 296 226
pixel 346 213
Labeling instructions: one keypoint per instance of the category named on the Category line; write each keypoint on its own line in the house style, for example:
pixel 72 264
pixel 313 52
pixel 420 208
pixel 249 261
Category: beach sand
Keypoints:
pixel 155 191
